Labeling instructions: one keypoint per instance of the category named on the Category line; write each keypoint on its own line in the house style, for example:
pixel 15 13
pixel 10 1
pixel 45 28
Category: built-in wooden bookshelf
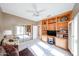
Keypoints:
pixel 44 27
pixel 51 24
pixel 58 23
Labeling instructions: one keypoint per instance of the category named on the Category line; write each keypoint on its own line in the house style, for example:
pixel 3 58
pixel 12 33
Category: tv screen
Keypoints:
pixel 52 33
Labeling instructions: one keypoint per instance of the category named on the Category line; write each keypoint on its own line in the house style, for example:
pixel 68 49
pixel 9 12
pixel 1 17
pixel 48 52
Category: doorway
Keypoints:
pixel 35 31
pixel 73 35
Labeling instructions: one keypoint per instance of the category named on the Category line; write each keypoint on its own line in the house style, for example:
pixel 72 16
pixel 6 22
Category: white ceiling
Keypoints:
pixel 51 9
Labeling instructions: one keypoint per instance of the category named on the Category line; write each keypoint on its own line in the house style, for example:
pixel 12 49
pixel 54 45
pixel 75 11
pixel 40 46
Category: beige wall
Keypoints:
pixel 0 21
pixel 10 21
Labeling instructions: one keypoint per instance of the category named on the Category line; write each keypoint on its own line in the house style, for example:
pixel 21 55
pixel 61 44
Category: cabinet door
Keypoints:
pixel 60 42
pixel 44 38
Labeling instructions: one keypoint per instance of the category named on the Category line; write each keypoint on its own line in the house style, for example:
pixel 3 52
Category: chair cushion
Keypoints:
pixel 11 50
pixel 2 51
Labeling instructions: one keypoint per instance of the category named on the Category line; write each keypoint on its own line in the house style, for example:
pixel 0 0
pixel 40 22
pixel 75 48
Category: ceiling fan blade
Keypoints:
pixel 34 7
pixel 29 11
pixel 36 14
pixel 41 10
pixel 35 10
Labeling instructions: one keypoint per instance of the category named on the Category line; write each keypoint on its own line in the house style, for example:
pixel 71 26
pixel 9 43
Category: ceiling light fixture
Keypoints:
pixel 35 12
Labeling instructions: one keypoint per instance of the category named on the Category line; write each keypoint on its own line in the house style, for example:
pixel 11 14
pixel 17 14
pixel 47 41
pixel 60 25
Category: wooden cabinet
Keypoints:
pixel 61 42
pixel 44 38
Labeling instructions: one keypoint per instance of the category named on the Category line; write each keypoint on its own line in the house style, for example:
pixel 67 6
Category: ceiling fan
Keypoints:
pixel 35 10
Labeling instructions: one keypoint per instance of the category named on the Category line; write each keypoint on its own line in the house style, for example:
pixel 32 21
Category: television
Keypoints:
pixel 51 33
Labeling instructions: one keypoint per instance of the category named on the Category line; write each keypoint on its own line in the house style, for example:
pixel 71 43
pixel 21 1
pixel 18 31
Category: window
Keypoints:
pixel 20 32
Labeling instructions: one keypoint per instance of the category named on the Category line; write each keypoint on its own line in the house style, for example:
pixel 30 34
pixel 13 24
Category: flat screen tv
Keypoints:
pixel 52 33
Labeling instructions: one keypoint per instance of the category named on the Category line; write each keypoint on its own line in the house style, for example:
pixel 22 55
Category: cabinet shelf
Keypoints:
pixel 63 22
pixel 52 23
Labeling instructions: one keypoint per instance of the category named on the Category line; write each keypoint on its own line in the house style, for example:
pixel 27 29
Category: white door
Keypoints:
pixel 35 32
pixel 70 37
pixel 72 41
pixel 75 30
